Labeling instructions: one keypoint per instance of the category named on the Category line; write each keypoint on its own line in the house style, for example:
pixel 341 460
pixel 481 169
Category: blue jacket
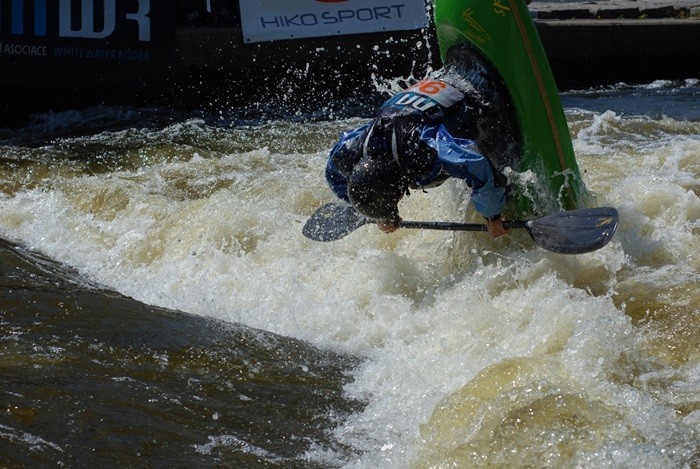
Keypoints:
pixel 452 156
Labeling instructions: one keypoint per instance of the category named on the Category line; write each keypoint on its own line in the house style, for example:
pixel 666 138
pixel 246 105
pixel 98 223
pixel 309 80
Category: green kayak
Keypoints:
pixel 547 177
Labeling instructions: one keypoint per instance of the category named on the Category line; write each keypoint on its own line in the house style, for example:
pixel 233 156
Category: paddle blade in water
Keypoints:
pixel 575 231
pixel 332 222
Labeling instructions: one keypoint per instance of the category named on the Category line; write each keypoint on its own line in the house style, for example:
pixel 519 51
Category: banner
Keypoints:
pixel 97 44
pixel 268 20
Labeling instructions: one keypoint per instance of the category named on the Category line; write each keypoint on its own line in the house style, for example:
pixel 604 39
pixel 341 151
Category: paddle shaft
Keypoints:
pixel 449 226
pixel 571 232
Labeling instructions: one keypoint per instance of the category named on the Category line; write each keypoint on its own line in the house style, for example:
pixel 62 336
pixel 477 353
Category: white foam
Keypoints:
pixel 219 234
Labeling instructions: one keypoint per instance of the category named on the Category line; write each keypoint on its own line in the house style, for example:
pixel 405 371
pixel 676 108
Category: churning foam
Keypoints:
pixel 478 351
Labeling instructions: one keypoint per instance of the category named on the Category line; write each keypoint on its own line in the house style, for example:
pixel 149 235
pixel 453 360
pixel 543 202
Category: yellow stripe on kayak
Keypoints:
pixel 543 93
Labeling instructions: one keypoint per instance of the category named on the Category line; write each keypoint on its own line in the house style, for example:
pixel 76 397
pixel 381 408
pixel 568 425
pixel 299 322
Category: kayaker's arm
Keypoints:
pixel 460 158
pixel 341 160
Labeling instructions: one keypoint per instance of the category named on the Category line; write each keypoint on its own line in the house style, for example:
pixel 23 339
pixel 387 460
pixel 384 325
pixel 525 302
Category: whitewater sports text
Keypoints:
pixel 75 52
pixel 103 54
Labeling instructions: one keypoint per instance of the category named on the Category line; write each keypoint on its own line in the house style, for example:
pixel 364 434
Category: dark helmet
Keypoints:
pixel 375 188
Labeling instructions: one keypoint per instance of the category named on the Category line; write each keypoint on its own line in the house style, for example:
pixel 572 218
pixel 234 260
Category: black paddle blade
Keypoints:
pixel 574 231
pixel 332 222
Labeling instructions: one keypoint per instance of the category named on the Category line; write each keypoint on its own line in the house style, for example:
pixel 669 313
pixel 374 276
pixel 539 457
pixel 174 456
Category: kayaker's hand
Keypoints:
pixel 389 227
pixel 496 227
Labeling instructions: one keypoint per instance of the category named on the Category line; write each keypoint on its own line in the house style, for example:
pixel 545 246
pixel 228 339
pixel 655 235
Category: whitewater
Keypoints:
pixel 472 351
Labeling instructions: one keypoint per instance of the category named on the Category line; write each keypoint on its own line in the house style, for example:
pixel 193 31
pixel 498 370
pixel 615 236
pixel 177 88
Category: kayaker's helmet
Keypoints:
pixel 375 188
pixel 380 178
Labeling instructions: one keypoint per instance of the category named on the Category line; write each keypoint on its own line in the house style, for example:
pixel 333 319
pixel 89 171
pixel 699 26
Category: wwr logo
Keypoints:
pixel 89 27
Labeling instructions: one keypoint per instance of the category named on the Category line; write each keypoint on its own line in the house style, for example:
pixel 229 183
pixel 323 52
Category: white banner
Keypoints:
pixel 267 20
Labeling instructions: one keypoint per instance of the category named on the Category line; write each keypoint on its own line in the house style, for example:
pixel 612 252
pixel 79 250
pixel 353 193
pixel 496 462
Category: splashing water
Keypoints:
pixel 473 351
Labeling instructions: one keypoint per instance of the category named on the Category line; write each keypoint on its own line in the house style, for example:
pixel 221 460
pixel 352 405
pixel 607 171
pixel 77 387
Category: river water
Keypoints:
pixel 159 305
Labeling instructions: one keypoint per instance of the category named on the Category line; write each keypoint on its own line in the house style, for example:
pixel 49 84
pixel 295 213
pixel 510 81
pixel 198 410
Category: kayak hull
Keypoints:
pixel 547 176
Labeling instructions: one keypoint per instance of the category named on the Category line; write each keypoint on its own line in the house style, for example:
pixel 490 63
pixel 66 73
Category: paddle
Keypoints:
pixel 570 232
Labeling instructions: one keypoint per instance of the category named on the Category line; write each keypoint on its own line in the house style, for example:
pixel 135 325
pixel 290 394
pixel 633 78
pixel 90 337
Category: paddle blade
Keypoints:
pixel 332 222
pixel 574 231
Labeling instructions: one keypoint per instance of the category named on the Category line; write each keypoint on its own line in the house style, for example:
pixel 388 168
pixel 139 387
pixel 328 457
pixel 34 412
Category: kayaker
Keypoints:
pixel 459 123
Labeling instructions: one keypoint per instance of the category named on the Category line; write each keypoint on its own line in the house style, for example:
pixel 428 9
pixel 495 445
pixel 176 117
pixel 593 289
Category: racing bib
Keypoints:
pixel 444 94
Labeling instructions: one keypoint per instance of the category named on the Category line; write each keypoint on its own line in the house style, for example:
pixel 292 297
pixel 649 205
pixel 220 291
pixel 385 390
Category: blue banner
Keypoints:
pixel 95 44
